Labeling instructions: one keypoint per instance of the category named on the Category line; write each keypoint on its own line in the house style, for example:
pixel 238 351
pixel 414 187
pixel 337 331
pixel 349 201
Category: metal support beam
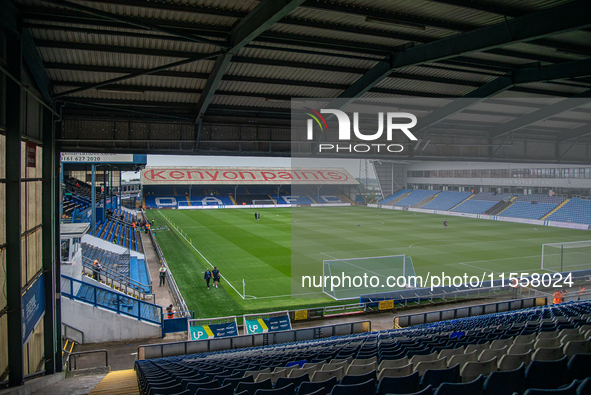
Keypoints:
pixel 541 114
pixel 578 68
pixel 49 243
pixel 93 200
pixel 265 15
pixel 134 22
pixel 575 134
pixel 562 18
pixel 13 229
pixel 568 149
pixel 500 145
pixel 495 86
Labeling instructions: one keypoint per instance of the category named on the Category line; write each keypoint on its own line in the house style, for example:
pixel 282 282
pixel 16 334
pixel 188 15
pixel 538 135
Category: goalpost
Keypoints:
pixel 566 257
pixel 359 276
pixel 262 201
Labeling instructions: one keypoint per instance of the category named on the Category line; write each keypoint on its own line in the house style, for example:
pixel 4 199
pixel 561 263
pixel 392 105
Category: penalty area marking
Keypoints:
pixel 490 260
pixel 191 244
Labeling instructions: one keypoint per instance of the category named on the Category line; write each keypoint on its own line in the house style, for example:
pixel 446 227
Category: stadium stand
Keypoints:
pixel 482 202
pixel 387 359
pixel 415 197
pixel 527 210
pixel 575 210
pixel 394 196
pixel 446 200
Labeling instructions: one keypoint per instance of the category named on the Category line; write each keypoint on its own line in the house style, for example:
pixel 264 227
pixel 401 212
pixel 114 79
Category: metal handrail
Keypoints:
pixel 124 281
pixel 176 294
pixel 75 354
pixel 118 305
pixel 65 333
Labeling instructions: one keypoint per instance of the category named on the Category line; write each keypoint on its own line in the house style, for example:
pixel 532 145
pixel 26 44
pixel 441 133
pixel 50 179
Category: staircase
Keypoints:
pixel 497 208
pixel 399 198
pixel 555 209
pixel 425 201
pixel 310 196
pixel 120 382
pixel 468 198
pixel 344 199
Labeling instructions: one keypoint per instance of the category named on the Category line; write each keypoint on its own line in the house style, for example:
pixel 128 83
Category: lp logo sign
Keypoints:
pixel 345 130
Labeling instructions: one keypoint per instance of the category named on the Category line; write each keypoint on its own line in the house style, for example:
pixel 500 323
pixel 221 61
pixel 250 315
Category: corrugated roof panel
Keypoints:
pixel 159 14
pixel 132 42
pixel 345 19
pixel 337 35
pixel 304 57
pixel 441 73
pixel 430 10
pixel 531 5
pixel 272 89
pixel 291 73
pixel 87 77
pixel 94 58
pixel 498 58
pixel 145 96
pixel 538 50
pixel 250 101
pixel 557 89
pixel 425 87
pixel 479 118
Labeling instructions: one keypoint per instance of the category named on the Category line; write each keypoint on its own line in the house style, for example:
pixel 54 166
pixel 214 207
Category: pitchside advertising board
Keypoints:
pixel 212 331
pixel 265 325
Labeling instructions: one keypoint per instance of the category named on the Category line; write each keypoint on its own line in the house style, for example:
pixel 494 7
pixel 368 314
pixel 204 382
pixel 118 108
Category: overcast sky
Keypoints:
pixel 351 165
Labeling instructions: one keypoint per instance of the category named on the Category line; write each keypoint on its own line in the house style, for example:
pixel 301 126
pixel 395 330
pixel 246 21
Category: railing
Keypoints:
pixel 73 357
pixel 467 311
pixel 172 287
pixel 152 351
pixel 444 294
pixel 113 301
pixel 115 279
pixel 73 334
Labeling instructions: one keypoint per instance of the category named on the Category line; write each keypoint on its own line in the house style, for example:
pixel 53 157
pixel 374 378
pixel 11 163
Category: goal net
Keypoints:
pixel 263 201
pixel 210 328
pixel 351 278
pixel 566 257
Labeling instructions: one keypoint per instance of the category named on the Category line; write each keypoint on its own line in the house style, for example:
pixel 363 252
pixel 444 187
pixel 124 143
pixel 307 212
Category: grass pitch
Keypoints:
pixel 261 252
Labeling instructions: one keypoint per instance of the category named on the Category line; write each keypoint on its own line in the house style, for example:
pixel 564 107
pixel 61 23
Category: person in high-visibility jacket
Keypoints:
pixel 557 297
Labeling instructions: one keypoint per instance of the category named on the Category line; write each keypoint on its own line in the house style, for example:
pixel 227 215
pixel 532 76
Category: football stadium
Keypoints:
pixel 295 197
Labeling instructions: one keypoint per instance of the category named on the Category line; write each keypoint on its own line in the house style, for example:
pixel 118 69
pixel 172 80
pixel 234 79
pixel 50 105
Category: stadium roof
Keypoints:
pixel 246 176
pixel 217 76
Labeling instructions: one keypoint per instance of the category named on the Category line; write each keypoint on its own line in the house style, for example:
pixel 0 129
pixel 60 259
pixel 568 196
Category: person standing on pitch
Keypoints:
pixel 162 272
pixel 255 216
pixel 207 277
pixel 216 276
pixel 445 224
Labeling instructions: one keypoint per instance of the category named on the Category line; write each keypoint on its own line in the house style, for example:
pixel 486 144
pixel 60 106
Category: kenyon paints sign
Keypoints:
pixel 251 176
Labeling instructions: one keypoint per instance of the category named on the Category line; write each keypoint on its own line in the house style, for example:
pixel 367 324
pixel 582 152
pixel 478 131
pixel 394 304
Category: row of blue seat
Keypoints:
pixel 178 372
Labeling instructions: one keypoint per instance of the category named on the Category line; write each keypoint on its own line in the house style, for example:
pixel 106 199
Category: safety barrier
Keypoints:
pixel 466 311
pixel 151 351
pixel 112 301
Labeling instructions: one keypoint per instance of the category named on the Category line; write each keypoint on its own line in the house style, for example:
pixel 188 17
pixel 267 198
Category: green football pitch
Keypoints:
pixel 261 252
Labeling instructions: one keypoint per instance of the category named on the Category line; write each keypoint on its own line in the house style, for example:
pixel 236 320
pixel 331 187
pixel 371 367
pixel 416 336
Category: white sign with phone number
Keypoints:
pixel 79 157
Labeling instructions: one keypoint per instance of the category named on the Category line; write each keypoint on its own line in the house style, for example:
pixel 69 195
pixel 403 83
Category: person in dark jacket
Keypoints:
pixel 207 277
